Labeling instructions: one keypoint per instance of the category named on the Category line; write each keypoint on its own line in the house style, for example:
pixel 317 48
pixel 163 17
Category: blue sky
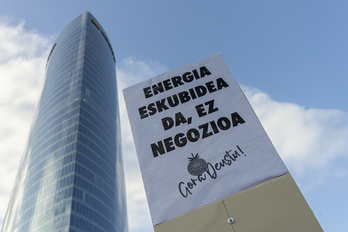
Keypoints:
pixel 290 57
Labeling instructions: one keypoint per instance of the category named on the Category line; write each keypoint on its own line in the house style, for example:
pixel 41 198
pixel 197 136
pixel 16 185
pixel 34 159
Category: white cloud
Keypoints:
pixel 309 140
pixel 16 41
pixel 22 60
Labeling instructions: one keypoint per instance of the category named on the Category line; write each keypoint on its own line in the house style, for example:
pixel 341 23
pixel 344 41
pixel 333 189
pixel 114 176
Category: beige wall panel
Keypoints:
pixel 274 205
pixel 209 218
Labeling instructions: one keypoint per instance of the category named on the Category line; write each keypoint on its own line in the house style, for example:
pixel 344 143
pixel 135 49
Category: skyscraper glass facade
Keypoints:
pixel 71 175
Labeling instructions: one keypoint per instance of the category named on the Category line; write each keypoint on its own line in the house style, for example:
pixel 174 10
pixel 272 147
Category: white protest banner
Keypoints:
pixel 197 138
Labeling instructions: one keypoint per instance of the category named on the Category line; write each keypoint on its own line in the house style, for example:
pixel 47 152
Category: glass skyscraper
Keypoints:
pixel 71 174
